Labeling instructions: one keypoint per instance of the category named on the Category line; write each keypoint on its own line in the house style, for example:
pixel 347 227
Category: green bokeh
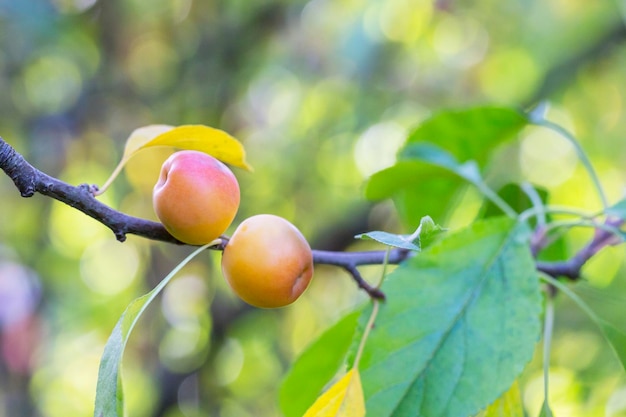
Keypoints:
pixel 306 86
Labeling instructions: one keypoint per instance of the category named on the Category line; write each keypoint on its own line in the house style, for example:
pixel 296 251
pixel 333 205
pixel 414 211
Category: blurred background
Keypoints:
pixel 322 93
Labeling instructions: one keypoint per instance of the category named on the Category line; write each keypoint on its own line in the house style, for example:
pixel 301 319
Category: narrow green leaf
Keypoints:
pixel 460 322
pixel 316 366
pixel 109 398
pixel 617 339
pixel 615 336
pixel 390 239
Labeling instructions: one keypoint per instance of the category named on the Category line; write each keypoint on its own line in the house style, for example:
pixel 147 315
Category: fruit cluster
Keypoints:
pixel 267 261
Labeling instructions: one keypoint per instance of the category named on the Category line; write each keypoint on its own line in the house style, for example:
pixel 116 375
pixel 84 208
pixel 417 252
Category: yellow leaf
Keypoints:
pixel 343 399
pixel 508 405
pixel 214 142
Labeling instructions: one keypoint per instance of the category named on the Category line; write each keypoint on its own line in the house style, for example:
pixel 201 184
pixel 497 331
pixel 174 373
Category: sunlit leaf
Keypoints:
pixel 343 399
pixel 201 138
pixel 109 398
pixel 469 133
pixel 317 365
pixel 460 322
pixel 508 405
pixel 426 185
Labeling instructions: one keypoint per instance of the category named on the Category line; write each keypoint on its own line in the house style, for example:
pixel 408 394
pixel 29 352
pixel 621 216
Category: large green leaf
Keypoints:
pixel 460 322
pixel 316 366
pixel 469 133
pixel 418 184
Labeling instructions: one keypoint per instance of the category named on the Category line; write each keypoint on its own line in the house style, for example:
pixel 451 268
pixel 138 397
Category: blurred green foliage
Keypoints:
pixel 322 93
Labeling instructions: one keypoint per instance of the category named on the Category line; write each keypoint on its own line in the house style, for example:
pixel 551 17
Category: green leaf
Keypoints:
pixel 460 322
pixel 416 187
pixel 390 239
pixel 468 170
pixel 437 156
pixel 421 181
pixel 470 133
pixel 430 232
pixel 316 366
pixel 426 233
pixel 109 398
pixel 516 197
pixel 615 336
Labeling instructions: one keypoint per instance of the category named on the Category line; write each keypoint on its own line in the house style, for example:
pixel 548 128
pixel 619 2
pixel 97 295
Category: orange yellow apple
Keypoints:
pixel 267 261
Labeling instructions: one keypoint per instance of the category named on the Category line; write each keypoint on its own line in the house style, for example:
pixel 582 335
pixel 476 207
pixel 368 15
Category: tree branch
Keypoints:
pixel 572 267
pixel 30 180
pixel 351 260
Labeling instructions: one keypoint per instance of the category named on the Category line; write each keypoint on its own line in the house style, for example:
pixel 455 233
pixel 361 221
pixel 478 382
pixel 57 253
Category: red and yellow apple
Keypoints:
pixel 196 197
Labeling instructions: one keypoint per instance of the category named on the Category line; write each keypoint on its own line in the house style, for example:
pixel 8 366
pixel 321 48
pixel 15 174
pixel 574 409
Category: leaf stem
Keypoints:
pixel 584 159
pixel 538 207
pixel 496 199
pixel 547 346
pixel 100 190
pixel 373 315
pixel 543 210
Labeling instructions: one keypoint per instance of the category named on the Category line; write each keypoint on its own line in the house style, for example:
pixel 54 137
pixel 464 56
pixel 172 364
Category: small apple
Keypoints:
pixel 267 261
pixel 196 197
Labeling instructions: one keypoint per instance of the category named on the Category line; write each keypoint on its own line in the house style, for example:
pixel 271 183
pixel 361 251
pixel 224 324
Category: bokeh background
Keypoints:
pixel 321 93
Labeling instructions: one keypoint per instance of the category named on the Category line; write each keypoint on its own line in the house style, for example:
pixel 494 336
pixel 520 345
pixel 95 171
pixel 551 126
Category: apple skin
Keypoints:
pixel 267 262
pixel 196 197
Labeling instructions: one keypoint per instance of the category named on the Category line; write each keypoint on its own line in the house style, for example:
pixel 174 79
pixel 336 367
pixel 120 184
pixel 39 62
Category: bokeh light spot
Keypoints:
pixel 152 64
pixel 501 67
pixel 546 158
pixel 229 362
pixel 109 267
pixel 185 298
pixel 405 20
pixel 185 346
pixel 51 84
pixel 460 42
pixel 376 148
